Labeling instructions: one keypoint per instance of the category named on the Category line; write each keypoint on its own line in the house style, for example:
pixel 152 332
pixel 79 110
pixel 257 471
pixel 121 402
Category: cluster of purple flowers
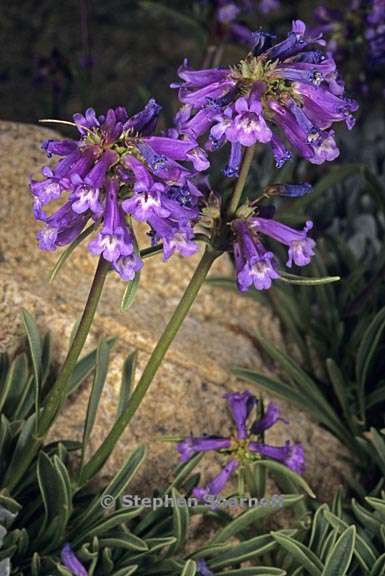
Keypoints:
pixel 118 171
pixel 115 171
pixel 255 265
pixel 245 445
pixel 356 33
pixel 286 91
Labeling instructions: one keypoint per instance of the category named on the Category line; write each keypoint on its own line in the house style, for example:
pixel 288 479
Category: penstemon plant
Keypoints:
pixel 119 172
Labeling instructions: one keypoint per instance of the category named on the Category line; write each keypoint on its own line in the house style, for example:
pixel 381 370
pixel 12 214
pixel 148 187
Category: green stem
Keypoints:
pixel 58 392
pixel 103 452
pixel 237 194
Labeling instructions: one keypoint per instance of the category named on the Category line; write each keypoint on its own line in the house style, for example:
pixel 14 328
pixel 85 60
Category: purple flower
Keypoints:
pixel 119 170
pixel 242 447
pixel 300 246
pixel 240 404
pixel 271 417
pixel 266 6
pixel 288 89
pixel 115 239
pixel 190 446
pixel 253 263
pixel 292 455
pixel 218 483
pixel 71 562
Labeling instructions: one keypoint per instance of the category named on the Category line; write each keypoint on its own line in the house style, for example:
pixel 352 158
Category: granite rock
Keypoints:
pixel 186 395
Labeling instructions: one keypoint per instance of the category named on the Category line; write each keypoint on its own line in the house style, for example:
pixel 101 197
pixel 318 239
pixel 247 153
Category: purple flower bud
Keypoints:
pixel 271 417
pixel 71 562
pixel 203 569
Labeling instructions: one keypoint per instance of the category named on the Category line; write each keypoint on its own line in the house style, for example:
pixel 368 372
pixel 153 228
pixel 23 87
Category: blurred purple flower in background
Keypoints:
pixel 245 445
pixel 285 92
pixel 356 38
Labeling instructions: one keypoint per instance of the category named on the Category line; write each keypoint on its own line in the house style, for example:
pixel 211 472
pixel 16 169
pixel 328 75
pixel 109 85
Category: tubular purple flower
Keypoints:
pixel 300 246
pixel 71 562
pixel 232 168
pixel 240 404
pixel 271 417
pixel 218 483
pixel 115 240
pixel 292 455
pixel 87 190
pixel 248 126
pixel 190 446
pixel 253 263
pixel 61 228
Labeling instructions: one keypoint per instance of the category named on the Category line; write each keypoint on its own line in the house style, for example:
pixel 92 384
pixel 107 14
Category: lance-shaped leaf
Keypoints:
pixel 189 569
pixel 35 348
pixel 127 382
pixel 301 553
pixel 305 280
pixel 130 292
pixel 340 556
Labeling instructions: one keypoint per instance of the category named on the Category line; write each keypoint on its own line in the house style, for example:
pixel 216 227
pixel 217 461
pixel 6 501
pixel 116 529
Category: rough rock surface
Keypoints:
pixel 186 395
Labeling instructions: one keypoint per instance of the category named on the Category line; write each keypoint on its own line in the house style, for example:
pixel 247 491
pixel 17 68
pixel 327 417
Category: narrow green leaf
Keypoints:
pixel 68 251
pixel 14 384
pixel 378 504
pixel 319 530
pixel 340 556
pixel 256 571
pixel 365 553
pixel 301 553
pixel 368 348
pixel 339 385
pixel 367 519
pixel 84 368
pixel 243 552
pixel 127 571
pixel 180 521
pixel 306 281
pixel 127 382
pixel 128 542
pixel 378 568
pixel 281 469
pixel 35 348
pixel 252 516
pixel 130 292
pixel 189 569
pixel 114 489
pixel 102 359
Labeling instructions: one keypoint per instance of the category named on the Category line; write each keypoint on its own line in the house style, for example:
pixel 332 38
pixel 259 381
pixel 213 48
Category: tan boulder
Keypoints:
pixel 186 395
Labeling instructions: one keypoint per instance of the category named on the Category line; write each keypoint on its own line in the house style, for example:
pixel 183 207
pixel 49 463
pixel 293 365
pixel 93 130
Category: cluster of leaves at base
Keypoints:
pixel 50 506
